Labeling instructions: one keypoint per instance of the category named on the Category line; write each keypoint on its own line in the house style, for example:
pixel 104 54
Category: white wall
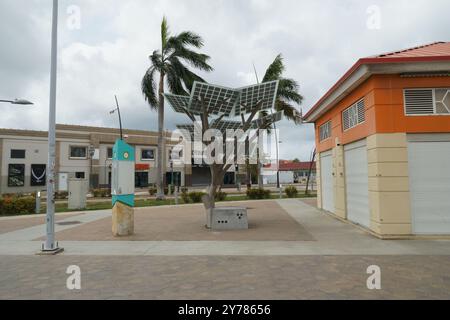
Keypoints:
pixel 286 177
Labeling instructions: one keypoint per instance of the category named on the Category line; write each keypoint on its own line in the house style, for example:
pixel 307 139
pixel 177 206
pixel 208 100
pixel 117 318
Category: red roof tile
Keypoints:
pixel 436 49
pixel 286 165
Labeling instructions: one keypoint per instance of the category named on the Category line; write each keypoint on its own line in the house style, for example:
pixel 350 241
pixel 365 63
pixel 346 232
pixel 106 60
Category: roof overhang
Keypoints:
pixel 367 67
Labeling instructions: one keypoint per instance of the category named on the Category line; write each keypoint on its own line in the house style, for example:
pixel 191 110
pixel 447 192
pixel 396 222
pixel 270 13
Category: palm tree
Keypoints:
pixel 170 63
pixel 287 95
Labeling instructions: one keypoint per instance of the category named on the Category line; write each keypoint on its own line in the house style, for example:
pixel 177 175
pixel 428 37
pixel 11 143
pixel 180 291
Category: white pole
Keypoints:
pixel 50 244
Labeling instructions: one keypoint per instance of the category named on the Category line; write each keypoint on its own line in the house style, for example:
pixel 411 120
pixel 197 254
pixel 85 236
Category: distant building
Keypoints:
pixel 86 152
pixel 290 172
pixel 81 152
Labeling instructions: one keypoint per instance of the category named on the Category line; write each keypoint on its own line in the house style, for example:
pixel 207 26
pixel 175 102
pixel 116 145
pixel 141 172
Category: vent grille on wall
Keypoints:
pixel 325 131
pixel 419 101
pixel 354 115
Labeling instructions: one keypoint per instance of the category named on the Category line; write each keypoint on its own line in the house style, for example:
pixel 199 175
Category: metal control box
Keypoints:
pixel 78 189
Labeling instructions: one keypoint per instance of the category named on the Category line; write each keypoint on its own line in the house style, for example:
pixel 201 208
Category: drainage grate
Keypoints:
pixel 67 223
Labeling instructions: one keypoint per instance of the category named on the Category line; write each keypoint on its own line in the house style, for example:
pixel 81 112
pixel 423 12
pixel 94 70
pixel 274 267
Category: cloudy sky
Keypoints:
pixel 108 53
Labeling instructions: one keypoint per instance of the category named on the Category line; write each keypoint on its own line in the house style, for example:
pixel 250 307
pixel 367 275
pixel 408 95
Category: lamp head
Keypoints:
pixel 22 102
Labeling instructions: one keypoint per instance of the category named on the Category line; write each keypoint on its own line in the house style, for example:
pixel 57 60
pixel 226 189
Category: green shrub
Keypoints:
pixel 258 194
pixel 101 193
pixel 61 195
pixel 196 196
pixel 16 206
pixel 166 190
pixel 220 196
pixel 152 191
pixel 184 189
pixel 185 196
pixel 291 191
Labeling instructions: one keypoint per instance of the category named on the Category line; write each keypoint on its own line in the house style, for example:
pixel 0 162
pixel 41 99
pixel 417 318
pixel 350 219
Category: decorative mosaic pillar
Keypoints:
pixel 123 189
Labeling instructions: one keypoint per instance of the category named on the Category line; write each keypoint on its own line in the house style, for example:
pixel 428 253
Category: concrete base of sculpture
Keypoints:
pixel 229 218
pixel 122 220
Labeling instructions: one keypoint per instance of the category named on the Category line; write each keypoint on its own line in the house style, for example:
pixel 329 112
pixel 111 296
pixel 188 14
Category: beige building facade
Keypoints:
pixel 81 152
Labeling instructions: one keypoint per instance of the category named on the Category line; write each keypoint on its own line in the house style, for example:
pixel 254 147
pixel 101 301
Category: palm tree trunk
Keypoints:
pixel 161 141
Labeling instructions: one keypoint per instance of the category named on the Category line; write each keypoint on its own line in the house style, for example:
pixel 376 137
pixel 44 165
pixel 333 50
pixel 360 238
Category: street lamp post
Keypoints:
pixel 120 118
pixel 50 246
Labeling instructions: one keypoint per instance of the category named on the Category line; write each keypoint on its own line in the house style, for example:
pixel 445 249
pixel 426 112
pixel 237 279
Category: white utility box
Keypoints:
pixel 78 189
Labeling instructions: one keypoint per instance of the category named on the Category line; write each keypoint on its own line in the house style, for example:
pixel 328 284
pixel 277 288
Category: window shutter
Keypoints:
pixel 419 101
pixel 353 115
pixel 361 111
pixel 346 119
pixel 325 131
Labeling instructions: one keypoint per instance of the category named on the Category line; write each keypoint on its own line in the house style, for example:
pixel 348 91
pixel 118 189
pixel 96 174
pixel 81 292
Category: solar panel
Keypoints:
pixel 218 99
pixel 267 120
pixel 252 95
pixel 224 125
pixel 178 103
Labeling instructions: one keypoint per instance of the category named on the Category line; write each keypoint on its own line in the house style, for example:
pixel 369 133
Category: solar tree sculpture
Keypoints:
pixel 214 107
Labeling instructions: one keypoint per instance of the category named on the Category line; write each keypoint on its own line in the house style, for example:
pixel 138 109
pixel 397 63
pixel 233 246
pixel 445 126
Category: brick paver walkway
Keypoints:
pixel 319 257
pixel 229 277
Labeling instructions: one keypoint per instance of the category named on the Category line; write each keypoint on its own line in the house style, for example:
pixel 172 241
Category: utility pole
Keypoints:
pixel 50 246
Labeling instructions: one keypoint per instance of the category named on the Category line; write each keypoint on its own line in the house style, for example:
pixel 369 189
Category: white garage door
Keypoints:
pixel 326 176
pixel 357 183
pixel 429 179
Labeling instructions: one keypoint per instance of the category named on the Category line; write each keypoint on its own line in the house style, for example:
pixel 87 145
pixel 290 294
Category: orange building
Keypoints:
pixel 383 139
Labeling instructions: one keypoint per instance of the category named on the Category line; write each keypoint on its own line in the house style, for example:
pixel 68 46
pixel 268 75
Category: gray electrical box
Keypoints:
pixel 78 189
pixel 229 218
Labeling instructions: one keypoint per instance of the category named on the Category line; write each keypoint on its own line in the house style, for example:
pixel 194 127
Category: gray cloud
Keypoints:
pixel 320 40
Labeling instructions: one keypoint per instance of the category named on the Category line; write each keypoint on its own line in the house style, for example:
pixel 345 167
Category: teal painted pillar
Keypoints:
pixel 122 189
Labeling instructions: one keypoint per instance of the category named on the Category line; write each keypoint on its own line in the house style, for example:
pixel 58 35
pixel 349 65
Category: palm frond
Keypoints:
pixel 290 112
pixel 174 82
pixel 186 38
pixel 165 32
pixel 157 62
pixel 197 60
pixel 148 87
pixel 275 70
pixel 186 76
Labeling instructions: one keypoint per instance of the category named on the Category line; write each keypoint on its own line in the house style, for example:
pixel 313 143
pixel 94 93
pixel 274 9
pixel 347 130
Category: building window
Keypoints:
pixel 78 152
pixel 427 101
pixel 16 175
pixel 38 172
pixel 147 154
pixel 110 153
pixel 79 175
pixel 325 131
pixel 17 154
pixel 354 115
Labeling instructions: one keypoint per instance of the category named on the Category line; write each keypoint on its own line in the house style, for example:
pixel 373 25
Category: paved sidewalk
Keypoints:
pixel 326 236
pixel 331 264
pixel 226 277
